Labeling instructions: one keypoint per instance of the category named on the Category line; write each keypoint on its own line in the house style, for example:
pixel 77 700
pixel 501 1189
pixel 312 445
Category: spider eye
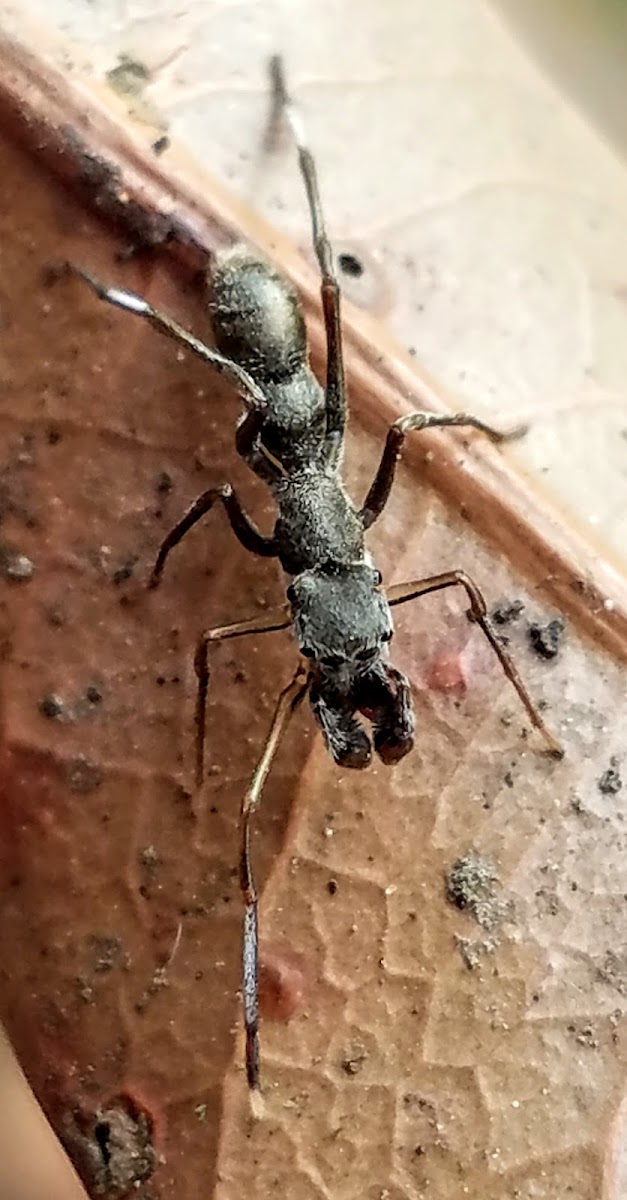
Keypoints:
pixel 378 579
pixel 291 594
pixel 307 652
pixel 387 636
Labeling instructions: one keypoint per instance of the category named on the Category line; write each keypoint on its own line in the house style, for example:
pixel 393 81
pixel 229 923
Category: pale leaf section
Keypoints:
pixel 488 215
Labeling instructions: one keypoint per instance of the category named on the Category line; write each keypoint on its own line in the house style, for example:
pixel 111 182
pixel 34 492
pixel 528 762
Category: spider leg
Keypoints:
pixel 402 593
pixel 381 486
pixel 289 700
pixel 250 392
pixel 245 531
pixel 330 290
pixel 272 621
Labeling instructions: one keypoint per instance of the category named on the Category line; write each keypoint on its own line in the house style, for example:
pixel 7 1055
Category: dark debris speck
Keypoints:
pixel 52 706
pixel 350 265
pixel 125 572
pixel 164 484
pixel 545 639
pixel 610 782
pixel 507 611
pixel 112 1148
pixel 472 884
pixel 470 880
pixel 160 145
pixel 353 1062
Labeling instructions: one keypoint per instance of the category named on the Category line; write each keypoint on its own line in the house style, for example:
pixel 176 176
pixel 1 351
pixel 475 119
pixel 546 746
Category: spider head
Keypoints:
pixel 342 622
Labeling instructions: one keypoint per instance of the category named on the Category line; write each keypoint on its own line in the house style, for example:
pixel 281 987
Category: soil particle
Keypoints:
pixel 545 639
pixel 473 953
pixel 125 572
pixel 585 1036
pixel 149 858
pixel 164 484
pixel 129 77
pixel 112 1150
pixel 353 1061
pixel 53 707
pixel 472 884
pixel 613 971
pixel 160 145
pixel 470 880
pixel 350 265
pixel 84 776
pixel 610 782
pixel 157 984
pixel 507 611
pixel 14 566
pixel 104 952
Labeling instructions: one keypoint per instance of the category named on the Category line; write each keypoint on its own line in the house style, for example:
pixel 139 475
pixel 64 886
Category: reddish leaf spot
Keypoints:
pixel 445 673
pixel 283 985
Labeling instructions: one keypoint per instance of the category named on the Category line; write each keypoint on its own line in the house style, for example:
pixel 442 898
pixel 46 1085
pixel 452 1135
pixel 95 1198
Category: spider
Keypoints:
pixel 292 435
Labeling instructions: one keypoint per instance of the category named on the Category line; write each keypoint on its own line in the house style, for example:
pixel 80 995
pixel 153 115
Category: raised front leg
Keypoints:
pixel 330 291
pixel 381 487
pixel 243 528
pixel 251 394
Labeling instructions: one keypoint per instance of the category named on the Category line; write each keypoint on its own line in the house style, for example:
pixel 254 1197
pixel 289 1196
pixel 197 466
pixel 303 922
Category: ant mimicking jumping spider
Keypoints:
pixel 292 436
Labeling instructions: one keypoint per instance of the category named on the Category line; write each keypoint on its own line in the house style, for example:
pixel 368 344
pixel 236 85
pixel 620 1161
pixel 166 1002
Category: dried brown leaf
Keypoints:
pixel 415 1046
